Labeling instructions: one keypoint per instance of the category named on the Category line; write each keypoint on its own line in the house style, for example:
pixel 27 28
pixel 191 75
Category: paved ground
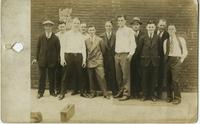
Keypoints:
pixel 102 110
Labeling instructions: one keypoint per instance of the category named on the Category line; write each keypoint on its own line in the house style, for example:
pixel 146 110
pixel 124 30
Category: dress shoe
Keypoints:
pixel 143 98
pixel 119 95
pixel 107 96
pixel 53 94
pixel 124 98
pixel 57 92
pixel 92 95
pixel 84 95
pixel 61 97
pixel 169 100
pixel 153 99
pixel 39 96
pixel 74 93
pixel 176 101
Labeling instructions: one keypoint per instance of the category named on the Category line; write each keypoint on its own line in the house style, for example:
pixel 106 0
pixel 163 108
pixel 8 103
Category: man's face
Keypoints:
pixel 48 27
pixel 136 26
pixel 108 27
pixel 91 31
pixel 76 24
pixel 83 28
pixel 62 27
pixel 171 30
pixel 121 21
pixel 151 28
pixel 161 25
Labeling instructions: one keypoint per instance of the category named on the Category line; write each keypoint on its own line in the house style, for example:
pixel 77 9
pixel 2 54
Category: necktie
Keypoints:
pixel 109 35
pixel 171 45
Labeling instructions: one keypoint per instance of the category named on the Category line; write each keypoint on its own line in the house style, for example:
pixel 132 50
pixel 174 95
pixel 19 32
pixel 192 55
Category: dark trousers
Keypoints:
pixel 122 66
pixel 173 84
pixel 100 75
pixel 72 70
pixel 42 81
pixel 110 73
pixel 136 76
pixel 161 78
pixel 86 88
pixel 59 69
pixel 149 80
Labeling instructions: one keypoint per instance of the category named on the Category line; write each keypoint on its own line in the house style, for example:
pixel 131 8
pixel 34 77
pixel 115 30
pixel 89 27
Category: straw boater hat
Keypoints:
pixel 48 22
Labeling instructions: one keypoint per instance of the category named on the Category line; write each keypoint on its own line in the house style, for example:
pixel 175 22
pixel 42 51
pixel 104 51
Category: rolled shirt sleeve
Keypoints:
pixel 184 48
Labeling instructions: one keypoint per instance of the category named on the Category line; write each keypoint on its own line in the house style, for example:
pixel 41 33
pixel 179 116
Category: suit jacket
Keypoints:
pixel 48 51
pixel 109 44
pixel 149 49
pixel 94 51
pixel 137 40
pixel 165 36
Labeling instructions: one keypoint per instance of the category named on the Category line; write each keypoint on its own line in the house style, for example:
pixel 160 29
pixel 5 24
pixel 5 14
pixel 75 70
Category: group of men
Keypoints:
pixel 129 62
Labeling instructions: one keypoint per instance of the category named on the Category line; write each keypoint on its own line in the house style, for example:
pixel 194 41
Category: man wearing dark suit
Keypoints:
pixel 135 62
pixel 150 58
pixel 47 56
pixel 95 67
pixel 163 35
pixel 108 55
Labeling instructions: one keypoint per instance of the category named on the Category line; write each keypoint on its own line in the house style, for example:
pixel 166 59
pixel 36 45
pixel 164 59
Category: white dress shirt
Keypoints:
pixel 125 41
pixel 62 38
pixel 160 33
pixel 175 49
pixel 75 43
pixel 48 35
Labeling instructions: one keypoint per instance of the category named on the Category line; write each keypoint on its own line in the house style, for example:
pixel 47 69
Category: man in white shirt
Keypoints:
pixel 175 51
pixel 61 35
pixel 74 59
pixel 124 48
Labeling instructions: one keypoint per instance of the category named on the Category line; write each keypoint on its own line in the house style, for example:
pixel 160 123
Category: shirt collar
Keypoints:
pixel 48 35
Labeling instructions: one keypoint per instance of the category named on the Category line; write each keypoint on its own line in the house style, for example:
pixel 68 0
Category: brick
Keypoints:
pixel 67 112
pixel 36 117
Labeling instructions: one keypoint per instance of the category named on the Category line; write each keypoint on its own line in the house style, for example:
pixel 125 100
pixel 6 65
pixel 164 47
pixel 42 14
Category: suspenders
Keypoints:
pixel 168 47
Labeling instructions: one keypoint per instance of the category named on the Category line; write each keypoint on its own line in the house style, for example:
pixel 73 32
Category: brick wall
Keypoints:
pixel 182 13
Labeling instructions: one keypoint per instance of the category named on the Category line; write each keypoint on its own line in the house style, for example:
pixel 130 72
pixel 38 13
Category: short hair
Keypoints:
pixel 120 16
pixel 76 18
pixel 162 19
pixel 151 22
pixel 172 25
pixel 84 23
pixel 109 22
pixel 91 26
pixel 61 22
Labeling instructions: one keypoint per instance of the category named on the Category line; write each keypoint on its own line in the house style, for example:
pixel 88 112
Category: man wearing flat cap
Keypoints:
pixel 47 56
pixel 135 62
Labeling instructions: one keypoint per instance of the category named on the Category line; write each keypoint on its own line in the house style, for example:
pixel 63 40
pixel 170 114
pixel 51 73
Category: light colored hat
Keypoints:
pixel 48 22
pixel 136 19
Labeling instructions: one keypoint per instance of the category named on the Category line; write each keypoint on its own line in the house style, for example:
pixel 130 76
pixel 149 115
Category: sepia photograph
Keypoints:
pixel 99 61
